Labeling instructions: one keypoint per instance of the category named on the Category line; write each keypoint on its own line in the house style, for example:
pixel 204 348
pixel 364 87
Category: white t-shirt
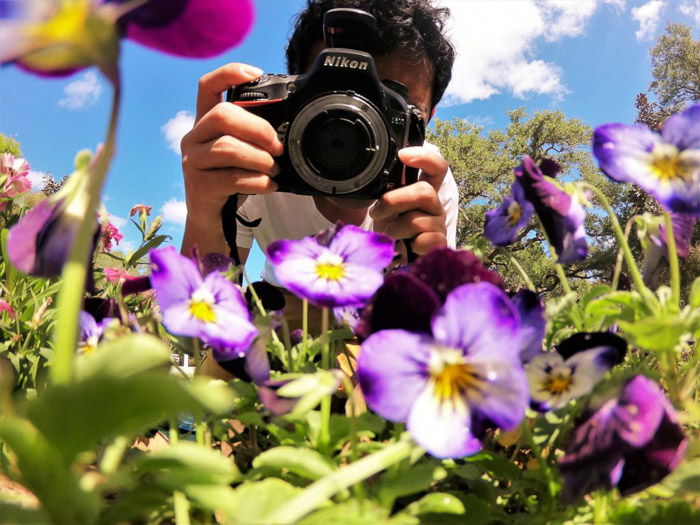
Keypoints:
pixel 290 216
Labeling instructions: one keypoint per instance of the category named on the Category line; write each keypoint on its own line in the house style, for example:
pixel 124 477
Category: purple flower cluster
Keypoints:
pixel 560 213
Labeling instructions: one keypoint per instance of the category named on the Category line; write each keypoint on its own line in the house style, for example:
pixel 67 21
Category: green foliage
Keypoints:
pixel 9 145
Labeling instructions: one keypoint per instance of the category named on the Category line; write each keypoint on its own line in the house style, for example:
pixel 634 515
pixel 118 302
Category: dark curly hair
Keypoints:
pixel 411 26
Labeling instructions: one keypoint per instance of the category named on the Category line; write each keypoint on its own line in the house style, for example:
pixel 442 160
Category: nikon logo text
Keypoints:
pixel 341 61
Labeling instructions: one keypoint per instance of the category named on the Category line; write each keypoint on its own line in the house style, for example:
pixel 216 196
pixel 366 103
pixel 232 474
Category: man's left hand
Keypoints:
pixel 414 211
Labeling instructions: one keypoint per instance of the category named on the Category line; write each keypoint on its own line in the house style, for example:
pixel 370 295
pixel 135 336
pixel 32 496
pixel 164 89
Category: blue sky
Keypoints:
pixel 588 58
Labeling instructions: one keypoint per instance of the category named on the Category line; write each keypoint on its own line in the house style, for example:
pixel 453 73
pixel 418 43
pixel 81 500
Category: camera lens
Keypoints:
pixel 338 144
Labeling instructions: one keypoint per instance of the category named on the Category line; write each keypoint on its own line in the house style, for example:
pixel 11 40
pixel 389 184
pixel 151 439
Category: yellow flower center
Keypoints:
pixel 514 213
pixel 558 384
pixel 451 375
pixel 666 163
pixel 330 267
pixel 202 306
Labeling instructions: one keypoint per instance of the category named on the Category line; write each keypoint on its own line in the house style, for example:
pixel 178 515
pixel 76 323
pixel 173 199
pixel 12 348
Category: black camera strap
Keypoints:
pixel 229 217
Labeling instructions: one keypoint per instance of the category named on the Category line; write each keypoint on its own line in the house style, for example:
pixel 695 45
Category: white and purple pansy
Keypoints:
pixel 91 332
pixel 211 308
pixel 666 165
pixel 578 365
pixel 340 266
pixel 447 386
pixel 505 222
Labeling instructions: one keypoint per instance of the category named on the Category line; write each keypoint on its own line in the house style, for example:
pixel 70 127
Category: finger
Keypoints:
pixel 233 180
pixel 428 241
pixel 227 152
pixel 418 196
pixel 432 165
pixel 214 83
pixel 411 224
pixel 228 119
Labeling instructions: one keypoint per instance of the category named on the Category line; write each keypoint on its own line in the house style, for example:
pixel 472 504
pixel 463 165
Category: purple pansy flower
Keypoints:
pixel 446 386
pixel 531 310
pixel 657 250
pixel 59 38
pixel 577 366
pixel 631 442
pixel 91 331
pixel 211 308
pixel 340 266
pixel 409 297
pixel 503 224
pixel 666 165
pixel 561 214
pixel 39 244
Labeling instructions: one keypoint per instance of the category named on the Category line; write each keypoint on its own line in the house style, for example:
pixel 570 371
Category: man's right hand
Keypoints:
pixel 229 150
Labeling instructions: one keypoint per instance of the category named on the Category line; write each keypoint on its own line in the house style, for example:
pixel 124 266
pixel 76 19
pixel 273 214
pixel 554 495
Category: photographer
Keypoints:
pixel 233 151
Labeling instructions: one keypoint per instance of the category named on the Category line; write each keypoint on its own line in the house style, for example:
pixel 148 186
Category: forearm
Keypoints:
pixel 207 238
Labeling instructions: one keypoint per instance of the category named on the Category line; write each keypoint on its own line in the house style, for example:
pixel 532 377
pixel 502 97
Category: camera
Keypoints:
pixel 341 125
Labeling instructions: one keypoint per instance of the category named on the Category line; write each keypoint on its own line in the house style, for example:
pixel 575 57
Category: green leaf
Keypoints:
pixel 353 511
pixel 124 357
pixel 251 502
pixel 660 333
pixel 686 478
pixel 437 502
pixel 12 513
pixel 144 249
pixel 78 416
pixel 417 478
pixel 187 463
pixel 303 462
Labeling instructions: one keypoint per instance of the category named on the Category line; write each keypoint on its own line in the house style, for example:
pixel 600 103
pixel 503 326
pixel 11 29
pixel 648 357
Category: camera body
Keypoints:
pixel 341 126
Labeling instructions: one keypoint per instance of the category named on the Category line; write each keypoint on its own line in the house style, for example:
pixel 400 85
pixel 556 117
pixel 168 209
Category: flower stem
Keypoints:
pixel 546 471
pixel 523 274
pixel 318 492
pixel 624 245
pixel 620 253
pixel 181 506
pixel 324 434
pixel 70 296
pixel 674 271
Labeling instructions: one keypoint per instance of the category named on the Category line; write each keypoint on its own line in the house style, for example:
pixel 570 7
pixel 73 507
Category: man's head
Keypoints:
pixel 412 29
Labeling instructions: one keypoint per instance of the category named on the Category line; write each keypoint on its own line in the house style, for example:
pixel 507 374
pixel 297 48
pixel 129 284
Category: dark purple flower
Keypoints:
pixel 561 214
pixel 665 165
pixel 409 297
pixel 211 308
pixel 445 385
pixel 578 365
pixel 60 38
pixel 40 243
pixel 503 224
pixel 631 442
pixel 656 251
pixel 531 310
pixel 340 266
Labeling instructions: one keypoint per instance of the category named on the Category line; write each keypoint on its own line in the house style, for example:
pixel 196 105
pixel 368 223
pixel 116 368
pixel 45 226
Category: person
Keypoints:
pixel 232 151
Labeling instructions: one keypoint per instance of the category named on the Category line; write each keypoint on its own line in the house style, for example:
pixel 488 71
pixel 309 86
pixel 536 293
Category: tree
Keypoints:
pixel 9 145
pixel 483 163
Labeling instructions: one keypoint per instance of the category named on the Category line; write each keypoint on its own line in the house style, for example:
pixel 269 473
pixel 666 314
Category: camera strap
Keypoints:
pixel 229 218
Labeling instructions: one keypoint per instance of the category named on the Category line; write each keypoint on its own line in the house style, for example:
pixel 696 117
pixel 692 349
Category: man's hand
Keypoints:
pixel 414 211
pixel 229 150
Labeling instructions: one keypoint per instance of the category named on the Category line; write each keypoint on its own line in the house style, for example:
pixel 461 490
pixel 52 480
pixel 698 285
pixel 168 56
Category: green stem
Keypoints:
pixel 674 271
pixel 70 296
pixel 624 245
pixel 181 506
pixel 620 253
pixel 562 278
pixel 318 492
pixel 324 435
pixel 523 274
pixel 113 455
pixel 546 471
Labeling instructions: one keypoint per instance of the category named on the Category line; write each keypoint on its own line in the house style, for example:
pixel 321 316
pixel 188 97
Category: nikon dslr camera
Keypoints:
pixel 341 125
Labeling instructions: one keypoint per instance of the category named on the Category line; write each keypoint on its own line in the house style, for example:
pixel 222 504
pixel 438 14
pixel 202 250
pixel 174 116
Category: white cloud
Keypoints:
pixel 174 211
pixel 691 8
pixel 175 129
pixel 37 179
pixel 495 43
pixel 83 92
pixel 648 16
pixel 119 222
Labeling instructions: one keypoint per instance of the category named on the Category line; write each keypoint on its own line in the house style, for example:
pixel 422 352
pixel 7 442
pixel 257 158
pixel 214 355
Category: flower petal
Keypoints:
pixel 22 239
pixel 393 370
pixel 174 277
pixel 363 248
pixel 623 151
pixel 190 28
pixel 480 319
pixel 504 394
pixel 531 310
pixel 442 428
pixel 683 129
